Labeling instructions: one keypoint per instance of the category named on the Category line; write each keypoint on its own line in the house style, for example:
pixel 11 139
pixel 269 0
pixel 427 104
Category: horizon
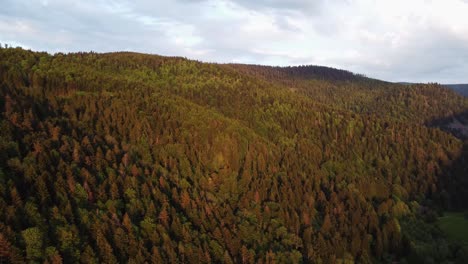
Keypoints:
pixel 226 63
pixel 421 41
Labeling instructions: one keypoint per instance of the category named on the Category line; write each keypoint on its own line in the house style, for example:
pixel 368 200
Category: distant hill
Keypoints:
pixel 459 88
pixel 304 72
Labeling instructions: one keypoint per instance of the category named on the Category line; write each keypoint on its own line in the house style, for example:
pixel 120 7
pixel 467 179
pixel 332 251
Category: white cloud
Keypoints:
pixel 418 40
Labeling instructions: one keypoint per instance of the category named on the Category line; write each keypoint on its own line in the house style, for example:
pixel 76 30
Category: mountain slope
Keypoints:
pixel 126 157
pixel 419 103
pixel 459 88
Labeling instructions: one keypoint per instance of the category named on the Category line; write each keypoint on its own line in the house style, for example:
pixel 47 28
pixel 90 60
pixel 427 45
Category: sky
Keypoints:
pixel 398 40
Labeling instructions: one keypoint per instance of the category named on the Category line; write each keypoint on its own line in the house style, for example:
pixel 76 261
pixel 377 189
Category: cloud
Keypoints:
pixel 419 40
pixel 92 25
pixel 280 4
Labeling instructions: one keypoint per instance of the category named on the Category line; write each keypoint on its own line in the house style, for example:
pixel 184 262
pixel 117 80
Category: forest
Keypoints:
pixel 135 158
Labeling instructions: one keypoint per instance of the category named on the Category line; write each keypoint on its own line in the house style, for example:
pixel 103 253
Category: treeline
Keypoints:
pixel 125 157
pixel 303 72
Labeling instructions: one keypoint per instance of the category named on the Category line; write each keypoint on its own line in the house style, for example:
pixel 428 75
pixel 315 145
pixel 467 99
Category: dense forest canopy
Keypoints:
pixel 125 157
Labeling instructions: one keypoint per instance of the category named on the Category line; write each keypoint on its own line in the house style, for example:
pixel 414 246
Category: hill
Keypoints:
pixel 127 157
pixel 460 88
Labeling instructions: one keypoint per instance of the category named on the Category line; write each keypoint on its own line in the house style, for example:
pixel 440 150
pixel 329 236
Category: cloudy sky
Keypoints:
pixel 399 40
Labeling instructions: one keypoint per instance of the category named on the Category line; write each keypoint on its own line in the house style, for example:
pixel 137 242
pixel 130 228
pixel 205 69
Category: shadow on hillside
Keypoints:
pixel 456 125
pixel 454 182
pixel 453 192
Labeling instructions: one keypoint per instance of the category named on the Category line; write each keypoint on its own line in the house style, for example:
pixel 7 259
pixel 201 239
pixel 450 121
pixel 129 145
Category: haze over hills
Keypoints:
pixel 460 88
pixel 132 158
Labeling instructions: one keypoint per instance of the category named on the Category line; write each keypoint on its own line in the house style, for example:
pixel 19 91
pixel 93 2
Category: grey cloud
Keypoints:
pixel 429 57
pixel 84 26
pixel 296 5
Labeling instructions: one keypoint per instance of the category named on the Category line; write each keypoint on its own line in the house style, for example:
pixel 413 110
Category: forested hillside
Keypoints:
pixel 133 158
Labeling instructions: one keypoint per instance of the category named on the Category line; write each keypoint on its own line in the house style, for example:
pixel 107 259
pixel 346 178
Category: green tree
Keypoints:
pixel 34 240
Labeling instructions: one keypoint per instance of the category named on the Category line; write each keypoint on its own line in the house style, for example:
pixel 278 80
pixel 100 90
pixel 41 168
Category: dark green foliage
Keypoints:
pixel 455 225
pixel 429 243
pixel 126 157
